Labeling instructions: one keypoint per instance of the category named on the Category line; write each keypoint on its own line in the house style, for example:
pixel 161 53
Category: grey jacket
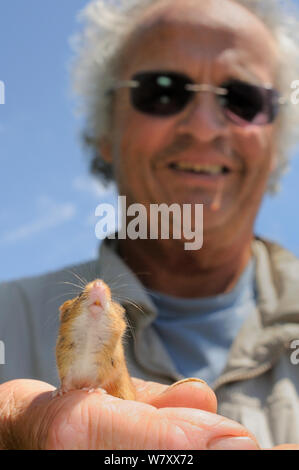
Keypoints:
pixel 259 387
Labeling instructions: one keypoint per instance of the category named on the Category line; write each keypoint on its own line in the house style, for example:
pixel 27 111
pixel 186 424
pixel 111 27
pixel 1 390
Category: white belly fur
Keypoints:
pixel 89 335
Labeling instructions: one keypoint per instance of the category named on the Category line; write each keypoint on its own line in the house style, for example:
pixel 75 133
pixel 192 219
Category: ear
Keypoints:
pixel 105 148
pixel 274 161
pixel 64 307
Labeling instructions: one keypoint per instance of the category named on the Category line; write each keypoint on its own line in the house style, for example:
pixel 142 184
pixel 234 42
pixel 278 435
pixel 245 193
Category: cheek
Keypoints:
pixel 256 150
pixel 137 139
pixel 256 147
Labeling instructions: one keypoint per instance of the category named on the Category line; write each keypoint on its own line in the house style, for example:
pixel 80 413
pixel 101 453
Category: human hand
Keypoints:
pixel 182 416
pixel 286 447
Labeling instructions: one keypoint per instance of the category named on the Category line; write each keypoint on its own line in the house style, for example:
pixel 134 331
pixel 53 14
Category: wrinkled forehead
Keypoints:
pixel 201 33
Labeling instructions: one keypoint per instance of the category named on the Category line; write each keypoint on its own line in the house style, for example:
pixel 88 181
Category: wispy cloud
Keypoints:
pixel 52 214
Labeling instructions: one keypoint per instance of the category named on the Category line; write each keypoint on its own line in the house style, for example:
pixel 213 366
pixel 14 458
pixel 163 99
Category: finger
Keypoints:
pixel 286 447
pixel 209 431
pixel 26 404
pixel 146 390
pixel 187 393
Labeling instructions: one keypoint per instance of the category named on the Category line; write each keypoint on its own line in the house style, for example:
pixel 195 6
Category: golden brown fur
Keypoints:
pixel 107 361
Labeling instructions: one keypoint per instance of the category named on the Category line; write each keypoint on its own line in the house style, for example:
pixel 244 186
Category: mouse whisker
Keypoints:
pixel 121 286
pixel 61 295
pixel 117 277
pixel 131 302
pixel 130 329
pixel 80 278
pixel 68 282
pixel 111 281
pixel 72 284
pixel 114 279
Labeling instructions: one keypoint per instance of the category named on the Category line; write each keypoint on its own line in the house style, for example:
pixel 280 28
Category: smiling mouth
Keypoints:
pixel 209 170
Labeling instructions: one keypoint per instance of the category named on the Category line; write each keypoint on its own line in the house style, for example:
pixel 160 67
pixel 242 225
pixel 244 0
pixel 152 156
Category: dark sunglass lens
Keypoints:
pixel 248 102
pixel 160 94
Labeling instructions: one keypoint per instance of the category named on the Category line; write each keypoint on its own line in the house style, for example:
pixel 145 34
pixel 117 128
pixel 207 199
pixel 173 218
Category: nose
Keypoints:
pixel 98 283
pixel 98 293
pixel 99 286
pixel 204 118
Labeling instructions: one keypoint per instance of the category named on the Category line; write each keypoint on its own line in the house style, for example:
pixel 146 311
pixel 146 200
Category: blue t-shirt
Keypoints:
pixel 198 332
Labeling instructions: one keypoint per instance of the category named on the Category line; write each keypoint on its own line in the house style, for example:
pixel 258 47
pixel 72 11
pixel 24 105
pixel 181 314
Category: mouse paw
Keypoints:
pixel 59 392
pixel 93 390
pixel 89 389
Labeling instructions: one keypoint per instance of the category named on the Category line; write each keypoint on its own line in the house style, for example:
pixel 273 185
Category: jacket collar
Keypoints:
pixel 278 281
pixel 268 332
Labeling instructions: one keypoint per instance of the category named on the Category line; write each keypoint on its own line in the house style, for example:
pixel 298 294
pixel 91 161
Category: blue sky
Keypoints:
pixel 48 198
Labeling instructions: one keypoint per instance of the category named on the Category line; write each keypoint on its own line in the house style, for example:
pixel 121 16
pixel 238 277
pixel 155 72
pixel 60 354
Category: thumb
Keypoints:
pixel 187 393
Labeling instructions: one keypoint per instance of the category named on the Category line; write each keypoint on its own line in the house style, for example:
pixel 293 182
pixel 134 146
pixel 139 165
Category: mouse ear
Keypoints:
pixel 64 307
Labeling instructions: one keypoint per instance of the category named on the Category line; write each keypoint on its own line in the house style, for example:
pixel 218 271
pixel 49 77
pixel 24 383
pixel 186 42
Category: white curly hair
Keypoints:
pixel 98 47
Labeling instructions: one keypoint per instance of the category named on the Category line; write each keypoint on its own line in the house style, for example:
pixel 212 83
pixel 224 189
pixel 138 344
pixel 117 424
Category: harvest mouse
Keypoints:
pixel 89 349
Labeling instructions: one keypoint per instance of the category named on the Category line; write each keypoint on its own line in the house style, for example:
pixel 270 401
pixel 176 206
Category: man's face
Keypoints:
pixel 210 42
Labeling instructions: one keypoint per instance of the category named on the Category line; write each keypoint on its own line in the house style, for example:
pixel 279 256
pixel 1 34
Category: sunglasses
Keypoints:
pixel 163 94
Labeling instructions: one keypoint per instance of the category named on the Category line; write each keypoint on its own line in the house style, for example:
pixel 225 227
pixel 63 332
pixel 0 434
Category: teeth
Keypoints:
pixel 212 169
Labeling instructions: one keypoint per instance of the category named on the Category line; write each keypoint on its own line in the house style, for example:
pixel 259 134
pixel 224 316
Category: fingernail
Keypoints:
pixel 233 443
pixel 191 379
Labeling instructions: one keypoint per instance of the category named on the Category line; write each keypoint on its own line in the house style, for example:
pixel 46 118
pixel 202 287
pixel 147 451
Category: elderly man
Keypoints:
pixel 188 111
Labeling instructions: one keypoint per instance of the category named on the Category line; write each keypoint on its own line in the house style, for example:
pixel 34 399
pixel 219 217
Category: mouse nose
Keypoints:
pixel 99 293
pixel 98 283
pixel 100 286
